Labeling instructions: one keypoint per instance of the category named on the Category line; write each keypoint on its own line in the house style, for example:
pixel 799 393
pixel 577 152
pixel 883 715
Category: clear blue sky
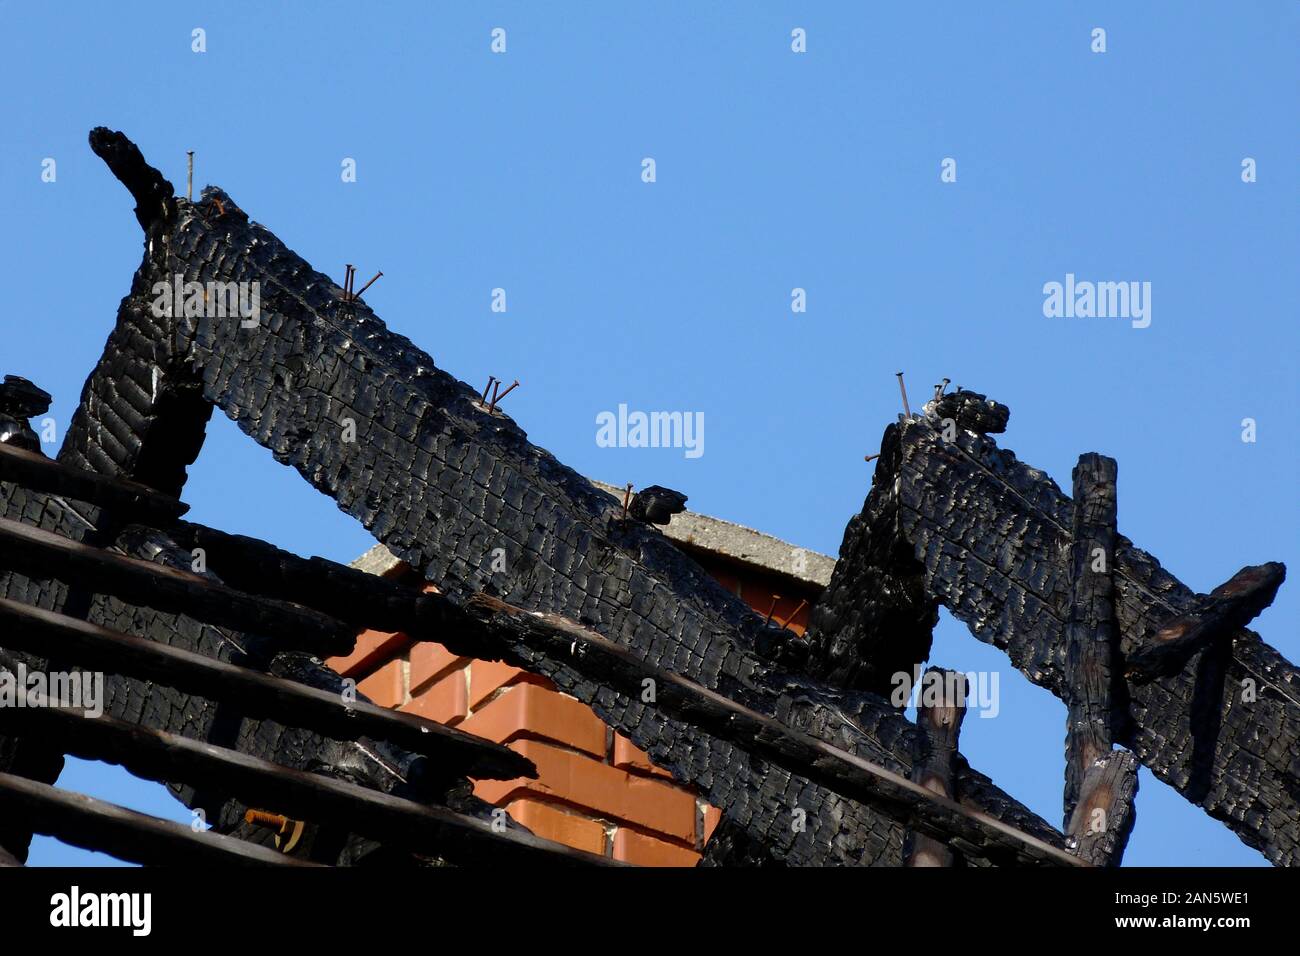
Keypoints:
pixel 774 171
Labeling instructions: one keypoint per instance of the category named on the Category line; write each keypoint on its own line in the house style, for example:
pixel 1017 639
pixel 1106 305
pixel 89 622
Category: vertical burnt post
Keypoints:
pixel 940 709
pixel 1099 783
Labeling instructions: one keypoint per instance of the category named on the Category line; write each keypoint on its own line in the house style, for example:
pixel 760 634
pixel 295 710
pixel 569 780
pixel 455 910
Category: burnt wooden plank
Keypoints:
pixel 404 824
pixel 258 695
pixel 913 805
pixel 1226 609
pixel 130 500
pixel 940 710
pixel 39 552
pixel 93 824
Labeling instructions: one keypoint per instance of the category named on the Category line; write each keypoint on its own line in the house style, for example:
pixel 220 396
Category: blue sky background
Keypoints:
pixel 775 170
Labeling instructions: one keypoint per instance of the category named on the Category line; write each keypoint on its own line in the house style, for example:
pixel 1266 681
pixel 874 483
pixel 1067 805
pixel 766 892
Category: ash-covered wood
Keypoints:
pixel 96 825
pixel 940 710
pixel 444 484
pixel 1225 610
pixel 1088 687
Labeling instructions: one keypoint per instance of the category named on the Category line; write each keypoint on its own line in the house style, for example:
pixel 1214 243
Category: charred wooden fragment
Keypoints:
pixel 1217 615
pixel 19 401
pixel 656 504
pixel 939 714
pixel 1105 812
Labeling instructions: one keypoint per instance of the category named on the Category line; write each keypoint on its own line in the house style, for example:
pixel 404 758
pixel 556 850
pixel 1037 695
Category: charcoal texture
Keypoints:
pixel 442 482
pixel 994 538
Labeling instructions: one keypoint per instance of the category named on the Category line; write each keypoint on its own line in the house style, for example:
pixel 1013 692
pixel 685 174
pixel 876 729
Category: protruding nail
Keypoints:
pixel 367 285
pixel 907 410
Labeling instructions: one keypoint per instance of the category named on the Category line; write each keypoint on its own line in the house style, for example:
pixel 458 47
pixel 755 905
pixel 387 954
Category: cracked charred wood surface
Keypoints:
pixel 994 537
pixel 1226 609
pixel 441 481
pixel 1106 809
pixel 939 714
pixel 1089 677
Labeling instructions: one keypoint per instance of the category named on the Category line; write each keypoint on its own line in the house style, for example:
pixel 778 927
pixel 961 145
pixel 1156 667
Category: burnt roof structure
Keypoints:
pixel 796 740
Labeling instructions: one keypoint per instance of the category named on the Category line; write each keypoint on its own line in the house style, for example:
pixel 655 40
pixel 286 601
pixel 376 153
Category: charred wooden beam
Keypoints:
pixel 92 824
pixel 344 593
pixel 1091 631
pixel 259 695
pixel 130 500
pixel 940 709
pixel 34 551
pixel 994 536
pixel 1225 610
pixel 444 484
pixel 1104 814
pixel 919 806
pixel 157 755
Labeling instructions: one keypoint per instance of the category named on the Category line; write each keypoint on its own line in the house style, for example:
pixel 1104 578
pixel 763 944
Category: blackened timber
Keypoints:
pixel 940 709
pixel 1088 687
pixel 259 695
pixel 96 825
pixel 344 593
pixel 1230 606
pixel 35 551
pixel 994 537
pixel 404 824
pixel 129 500
pixel 443 485
pixel 911 804
pixel 1106 809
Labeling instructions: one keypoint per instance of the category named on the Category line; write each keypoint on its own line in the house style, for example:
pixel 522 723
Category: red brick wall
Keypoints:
pixel 595 790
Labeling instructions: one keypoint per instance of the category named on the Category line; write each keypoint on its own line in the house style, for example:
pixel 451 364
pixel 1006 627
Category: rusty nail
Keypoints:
pixel 907 410
pixel 347 281
pixel 871 457
pixel 775 598
pixel 221 208
pixel 491 379
pixel 261 818
pixel 189 176
pixel 803 602
pixel 627 500
pixel 497 398
pixel 367 285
